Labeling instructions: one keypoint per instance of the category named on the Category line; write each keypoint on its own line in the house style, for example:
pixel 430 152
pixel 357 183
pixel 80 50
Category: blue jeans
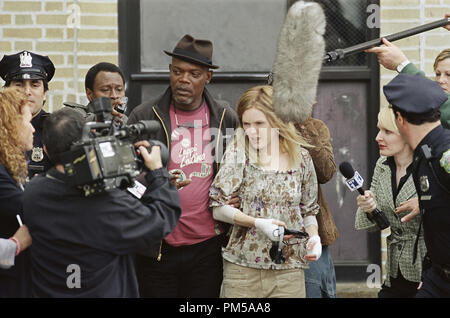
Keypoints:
pixel 320 278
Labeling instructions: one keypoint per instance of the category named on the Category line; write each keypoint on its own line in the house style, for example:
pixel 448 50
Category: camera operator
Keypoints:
pixel 83 246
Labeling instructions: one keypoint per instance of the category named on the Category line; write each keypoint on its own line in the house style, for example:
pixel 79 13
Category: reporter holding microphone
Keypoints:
pixel 392 191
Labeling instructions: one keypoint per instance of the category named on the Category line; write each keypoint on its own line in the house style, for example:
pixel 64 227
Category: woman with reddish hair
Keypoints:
pixel 16 137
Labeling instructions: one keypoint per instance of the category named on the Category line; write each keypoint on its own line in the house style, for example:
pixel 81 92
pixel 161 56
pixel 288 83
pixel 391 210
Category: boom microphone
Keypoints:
pixel 355 182
pixel 341 53
pixel 298 62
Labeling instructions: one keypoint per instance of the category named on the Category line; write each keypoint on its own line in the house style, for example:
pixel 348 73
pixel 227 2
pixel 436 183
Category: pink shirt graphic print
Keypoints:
pixel 191 154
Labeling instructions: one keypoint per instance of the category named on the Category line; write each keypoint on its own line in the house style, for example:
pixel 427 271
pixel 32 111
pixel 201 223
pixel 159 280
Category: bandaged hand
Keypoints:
pixel 313 248
pixel 366 202
pixel 269 227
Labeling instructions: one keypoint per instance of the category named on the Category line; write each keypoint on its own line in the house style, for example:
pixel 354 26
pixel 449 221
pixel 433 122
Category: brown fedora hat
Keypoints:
pixel 194 51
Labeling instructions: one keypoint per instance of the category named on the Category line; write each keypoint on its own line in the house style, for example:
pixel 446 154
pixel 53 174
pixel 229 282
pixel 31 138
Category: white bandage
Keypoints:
pixel 310 220
pixel 224 213
pixel 317 249
pixel 268 228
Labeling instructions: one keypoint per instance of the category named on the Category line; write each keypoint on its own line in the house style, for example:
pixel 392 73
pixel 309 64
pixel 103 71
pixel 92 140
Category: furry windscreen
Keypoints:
pixel 299 58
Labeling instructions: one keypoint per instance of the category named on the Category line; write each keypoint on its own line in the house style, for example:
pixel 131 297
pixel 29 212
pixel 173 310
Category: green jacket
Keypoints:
pixel 400 243
pixel 445 108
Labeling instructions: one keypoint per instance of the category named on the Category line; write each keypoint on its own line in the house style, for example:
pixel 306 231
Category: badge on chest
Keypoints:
pixel 424 187
pixel 424 184
pixel 37 154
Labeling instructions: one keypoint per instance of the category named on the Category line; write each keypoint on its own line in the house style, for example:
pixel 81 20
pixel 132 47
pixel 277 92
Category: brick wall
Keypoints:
pixel 47 27
pixel 421 49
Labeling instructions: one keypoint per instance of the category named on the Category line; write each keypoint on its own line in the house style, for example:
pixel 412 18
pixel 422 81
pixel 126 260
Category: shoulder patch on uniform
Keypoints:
pixel 445 161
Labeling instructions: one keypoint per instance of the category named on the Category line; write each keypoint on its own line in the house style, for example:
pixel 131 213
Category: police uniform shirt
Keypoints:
pixel 434 198
pixel 27 65
pixel 38 162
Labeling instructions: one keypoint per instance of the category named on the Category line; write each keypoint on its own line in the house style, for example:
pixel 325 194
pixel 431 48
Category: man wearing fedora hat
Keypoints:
pixel 31 72
pixel 195 128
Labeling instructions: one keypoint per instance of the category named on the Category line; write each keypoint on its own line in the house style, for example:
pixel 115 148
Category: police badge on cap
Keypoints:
pixel 26 65
pixel 25 60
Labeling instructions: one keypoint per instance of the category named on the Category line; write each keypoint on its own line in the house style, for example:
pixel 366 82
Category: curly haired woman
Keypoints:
pixel 16 137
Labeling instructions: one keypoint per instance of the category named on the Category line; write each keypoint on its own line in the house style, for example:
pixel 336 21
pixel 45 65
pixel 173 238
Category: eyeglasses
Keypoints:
pixel 276 251
pixel 191 124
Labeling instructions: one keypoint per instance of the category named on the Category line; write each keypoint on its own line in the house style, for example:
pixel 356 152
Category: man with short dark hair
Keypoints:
pixel 83 246
pixel 416 101
pixel 195 128
pixel 106 80
pixel 31 72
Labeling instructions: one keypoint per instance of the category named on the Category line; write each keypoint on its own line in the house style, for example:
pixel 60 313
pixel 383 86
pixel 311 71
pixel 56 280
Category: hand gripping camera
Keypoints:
pixel 105 158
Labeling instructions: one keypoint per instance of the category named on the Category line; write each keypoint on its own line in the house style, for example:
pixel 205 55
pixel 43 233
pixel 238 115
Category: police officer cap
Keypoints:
pixel 26 65
pixel 414 93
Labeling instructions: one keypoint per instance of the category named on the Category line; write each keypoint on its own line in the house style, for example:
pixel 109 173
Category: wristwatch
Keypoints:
pixel 402 65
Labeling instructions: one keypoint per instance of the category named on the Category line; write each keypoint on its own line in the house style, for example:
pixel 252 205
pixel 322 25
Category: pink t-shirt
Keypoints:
pixel 191 153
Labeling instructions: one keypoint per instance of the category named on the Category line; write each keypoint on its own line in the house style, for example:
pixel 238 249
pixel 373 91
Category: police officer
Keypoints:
pixel 416 101
pixel 31 72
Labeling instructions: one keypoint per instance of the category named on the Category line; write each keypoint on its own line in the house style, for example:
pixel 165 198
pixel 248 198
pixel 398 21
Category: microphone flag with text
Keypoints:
pixel 355 182
pixel 298 62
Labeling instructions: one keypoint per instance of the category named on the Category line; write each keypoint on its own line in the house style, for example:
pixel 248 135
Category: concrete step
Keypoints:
pixel 355 290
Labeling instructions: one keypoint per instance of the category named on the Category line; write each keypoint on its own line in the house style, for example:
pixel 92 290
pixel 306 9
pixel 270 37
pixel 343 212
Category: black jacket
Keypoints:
pixel 97 234
pixel 15 281
pixel 433 190
pixel 222 116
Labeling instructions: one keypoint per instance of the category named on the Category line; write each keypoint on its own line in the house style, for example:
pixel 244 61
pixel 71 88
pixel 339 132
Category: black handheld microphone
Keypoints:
pixel 354 182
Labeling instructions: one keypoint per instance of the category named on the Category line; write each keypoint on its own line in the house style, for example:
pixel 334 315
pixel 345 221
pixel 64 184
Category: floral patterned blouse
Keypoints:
pixel 287 196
